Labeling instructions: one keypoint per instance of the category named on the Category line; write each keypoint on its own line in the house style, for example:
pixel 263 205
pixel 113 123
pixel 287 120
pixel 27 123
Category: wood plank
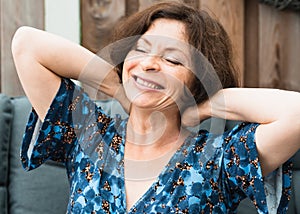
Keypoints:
pixel 97 21
pixel 231 15
pixel 131 7
pixel 278 48
pixel 193 3
pixel 13 14
pixel 270 47
pixel 291 56
pixel 251 74
pixel 146 3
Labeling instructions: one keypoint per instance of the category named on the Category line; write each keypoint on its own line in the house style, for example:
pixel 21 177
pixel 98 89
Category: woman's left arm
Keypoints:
pixel 277 111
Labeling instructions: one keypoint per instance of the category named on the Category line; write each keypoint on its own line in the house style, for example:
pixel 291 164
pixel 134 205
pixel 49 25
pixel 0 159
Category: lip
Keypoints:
pixel 147 84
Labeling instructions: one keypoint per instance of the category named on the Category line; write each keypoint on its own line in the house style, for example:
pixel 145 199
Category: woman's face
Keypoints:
pixel 156 71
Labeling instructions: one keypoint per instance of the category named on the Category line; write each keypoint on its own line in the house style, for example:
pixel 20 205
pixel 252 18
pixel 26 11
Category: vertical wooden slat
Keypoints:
pixel 278 48
pixel 270 47
pixel 131 7
pixel 97 21
pixel 290 56
pixel 193 3
pixel 231 15
pixel 147 3
pixel 13 14
pixel 251 74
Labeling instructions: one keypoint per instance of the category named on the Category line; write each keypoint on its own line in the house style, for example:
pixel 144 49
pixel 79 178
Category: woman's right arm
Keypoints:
pixel 41 60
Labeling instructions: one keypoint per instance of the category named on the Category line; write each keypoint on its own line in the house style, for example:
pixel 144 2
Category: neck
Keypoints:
pixel 152 133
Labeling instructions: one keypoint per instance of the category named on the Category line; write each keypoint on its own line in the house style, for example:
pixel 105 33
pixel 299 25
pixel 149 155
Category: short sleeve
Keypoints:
pixel 71 112
pixel 243 174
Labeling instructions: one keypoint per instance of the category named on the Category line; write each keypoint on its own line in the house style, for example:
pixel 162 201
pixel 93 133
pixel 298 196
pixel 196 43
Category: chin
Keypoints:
pixel 144 101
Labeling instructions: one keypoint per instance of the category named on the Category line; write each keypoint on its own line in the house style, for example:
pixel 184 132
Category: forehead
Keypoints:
pixel 168 28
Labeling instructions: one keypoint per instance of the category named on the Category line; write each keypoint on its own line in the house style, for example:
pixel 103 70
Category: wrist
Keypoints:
pixel 205 110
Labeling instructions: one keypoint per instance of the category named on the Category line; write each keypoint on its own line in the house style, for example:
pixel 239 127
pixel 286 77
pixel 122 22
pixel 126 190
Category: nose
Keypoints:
pixel 150 63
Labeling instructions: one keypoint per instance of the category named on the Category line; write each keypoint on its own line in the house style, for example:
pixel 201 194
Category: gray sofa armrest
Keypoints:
pixel 6 117
pixel 44 190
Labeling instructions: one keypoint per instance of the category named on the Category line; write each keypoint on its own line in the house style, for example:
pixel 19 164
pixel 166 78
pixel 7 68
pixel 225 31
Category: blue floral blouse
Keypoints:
pixel 207 174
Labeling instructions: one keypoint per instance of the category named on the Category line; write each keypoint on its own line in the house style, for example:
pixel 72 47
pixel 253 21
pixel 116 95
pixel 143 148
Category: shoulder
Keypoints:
pixel 241 134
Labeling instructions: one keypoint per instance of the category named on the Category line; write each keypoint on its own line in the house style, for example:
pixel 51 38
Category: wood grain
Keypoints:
pixel 278 48
pixel 131 7
pixel 251 72
pixel 231 15
pixel 13 14
pixel 146 3
pixel 97 21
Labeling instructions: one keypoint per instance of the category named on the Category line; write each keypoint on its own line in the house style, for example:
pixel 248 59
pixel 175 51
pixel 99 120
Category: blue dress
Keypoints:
pixel 209 173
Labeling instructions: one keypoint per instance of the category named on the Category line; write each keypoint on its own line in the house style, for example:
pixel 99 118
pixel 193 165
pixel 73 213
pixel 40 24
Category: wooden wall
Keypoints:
pixel 265 40
pixel 13 14
pixel 271 47
pixel 230 13
pixel 278 48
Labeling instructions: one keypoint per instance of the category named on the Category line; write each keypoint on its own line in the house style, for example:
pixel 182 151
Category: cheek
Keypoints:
pixel 128 65
pixel 180 87
pixel 184 78
pixel 131 60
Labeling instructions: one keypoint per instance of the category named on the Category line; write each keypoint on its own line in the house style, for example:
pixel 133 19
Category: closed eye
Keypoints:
pixel 139 50
pixel 142 48
pixel 173 61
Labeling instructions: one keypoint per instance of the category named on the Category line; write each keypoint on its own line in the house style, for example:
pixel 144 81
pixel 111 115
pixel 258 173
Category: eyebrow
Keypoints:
pixel 167 48
pixel 145 40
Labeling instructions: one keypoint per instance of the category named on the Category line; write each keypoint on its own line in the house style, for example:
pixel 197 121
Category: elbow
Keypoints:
pixel 20 41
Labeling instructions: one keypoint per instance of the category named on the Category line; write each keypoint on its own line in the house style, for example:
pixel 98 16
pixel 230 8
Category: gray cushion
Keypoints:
pixel 296 161
pixel 296 190
pixel 246 207
pixel 5 127
pixel 44 190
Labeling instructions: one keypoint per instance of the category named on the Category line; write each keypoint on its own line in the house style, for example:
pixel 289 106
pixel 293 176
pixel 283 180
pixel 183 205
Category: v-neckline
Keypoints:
pixel 170 164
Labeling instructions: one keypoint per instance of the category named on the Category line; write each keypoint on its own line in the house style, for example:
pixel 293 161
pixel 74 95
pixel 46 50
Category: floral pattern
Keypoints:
pixel 207 174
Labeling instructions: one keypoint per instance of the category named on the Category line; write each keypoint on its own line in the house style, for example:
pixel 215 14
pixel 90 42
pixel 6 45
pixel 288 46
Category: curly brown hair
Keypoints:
pixel 204 33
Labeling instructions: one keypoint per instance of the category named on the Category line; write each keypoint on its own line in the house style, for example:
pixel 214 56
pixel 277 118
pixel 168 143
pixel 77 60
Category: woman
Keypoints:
pixel 170 58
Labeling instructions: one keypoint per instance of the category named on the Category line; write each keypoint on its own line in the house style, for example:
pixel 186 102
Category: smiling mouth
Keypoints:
pixel 148 84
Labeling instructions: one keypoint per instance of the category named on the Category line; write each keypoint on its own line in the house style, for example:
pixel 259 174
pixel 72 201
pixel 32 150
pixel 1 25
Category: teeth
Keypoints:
pixel 147 84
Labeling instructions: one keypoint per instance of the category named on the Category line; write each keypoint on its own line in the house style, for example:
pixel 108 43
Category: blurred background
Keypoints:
pixel 265 33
